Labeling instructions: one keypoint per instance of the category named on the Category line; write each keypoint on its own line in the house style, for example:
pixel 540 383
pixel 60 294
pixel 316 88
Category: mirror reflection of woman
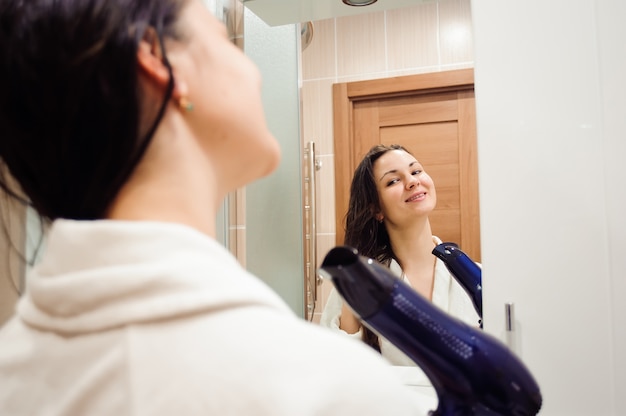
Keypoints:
pixel 391 198
pixel 126 123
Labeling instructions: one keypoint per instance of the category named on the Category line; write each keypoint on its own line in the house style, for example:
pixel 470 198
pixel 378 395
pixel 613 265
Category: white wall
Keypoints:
pixel 550 93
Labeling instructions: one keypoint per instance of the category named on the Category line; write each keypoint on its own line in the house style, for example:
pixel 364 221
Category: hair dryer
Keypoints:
pixel 464 270
pixel 472 372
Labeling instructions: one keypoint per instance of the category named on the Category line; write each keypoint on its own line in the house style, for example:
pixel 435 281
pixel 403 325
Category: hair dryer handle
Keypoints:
pixel 464 270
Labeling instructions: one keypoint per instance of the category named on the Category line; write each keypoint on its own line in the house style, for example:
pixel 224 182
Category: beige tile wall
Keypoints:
pixel 429 37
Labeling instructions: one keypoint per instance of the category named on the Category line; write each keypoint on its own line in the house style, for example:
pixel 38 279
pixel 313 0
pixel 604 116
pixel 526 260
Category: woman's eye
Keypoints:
pixel 417 172
pixel 391 182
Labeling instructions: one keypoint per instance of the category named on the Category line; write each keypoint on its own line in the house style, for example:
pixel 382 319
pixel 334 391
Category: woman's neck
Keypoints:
pixel 174 182
pixel 413 242
pixel 412 247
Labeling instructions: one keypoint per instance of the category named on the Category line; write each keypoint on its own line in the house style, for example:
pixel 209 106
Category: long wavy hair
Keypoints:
pixel 363 231
pixel 71 106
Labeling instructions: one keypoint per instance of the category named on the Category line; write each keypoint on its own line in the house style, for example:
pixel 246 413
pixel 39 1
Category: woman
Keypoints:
pixel 391 197
pixel 122 122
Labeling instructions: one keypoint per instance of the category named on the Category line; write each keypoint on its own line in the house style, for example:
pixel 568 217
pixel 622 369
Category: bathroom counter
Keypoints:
pixel 415 379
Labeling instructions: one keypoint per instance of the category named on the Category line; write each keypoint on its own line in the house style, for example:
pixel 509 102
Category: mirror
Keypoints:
pixel 423 38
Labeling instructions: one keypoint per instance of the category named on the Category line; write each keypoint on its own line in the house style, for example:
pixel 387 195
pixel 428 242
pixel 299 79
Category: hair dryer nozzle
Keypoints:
pixel 346 268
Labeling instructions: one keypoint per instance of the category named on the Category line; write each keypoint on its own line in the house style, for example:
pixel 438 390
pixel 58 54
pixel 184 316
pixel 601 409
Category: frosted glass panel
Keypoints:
pixel 274 237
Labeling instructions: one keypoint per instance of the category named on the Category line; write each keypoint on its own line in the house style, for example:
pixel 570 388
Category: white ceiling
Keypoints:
pixel 281 12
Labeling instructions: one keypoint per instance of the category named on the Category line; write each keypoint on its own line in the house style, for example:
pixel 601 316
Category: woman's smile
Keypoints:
pixel 420 196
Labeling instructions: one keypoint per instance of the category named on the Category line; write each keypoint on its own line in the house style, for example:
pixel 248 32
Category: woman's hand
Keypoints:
pixel 348 321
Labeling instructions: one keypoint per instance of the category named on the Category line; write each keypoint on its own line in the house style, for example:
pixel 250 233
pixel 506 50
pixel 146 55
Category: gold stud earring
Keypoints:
pixel 185 104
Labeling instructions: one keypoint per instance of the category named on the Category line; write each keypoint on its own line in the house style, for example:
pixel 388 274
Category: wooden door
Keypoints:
pixel 432 115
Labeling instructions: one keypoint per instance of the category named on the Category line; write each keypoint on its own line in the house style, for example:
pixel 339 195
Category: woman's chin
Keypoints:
pixel 274 156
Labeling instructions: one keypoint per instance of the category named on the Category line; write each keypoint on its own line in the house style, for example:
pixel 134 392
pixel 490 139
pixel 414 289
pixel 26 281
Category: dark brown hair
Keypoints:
pixel 363 231
pixel 70 107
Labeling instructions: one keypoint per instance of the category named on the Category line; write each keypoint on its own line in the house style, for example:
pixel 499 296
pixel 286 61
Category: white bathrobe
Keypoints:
pixel 146 318
pixel 448 295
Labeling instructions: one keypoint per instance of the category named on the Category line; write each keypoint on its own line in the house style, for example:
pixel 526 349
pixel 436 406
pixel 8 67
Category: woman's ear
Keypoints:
pixel 150 58
pixel 377 213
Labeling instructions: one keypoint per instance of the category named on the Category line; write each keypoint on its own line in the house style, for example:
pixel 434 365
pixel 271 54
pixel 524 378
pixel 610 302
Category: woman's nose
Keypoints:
pixel 412 182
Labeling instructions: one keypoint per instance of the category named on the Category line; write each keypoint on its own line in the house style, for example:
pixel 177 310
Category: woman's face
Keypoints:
pixel 404 189
pixel 224 86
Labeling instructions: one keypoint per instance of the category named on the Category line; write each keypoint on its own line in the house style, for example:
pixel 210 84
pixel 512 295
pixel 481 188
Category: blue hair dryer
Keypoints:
pixel 464 270
pixel 472 372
